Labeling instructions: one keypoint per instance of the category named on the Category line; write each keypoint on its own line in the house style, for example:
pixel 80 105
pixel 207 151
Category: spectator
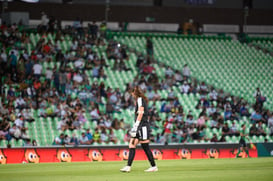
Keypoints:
pixel 253 130
pixel 84 139
pixel 59 140
pixel 214 138
pixel 260 99
pixel 74 140
pixel 89 135
pixel 112 137
pixel 260 129
pixel 244 110
pixel 256 117
pixel 149 47
pixel 37 70
pixel 234 130
pixel 96 136
pixel 185 88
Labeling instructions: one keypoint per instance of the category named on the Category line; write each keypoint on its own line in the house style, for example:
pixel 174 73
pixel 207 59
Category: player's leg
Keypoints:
pixel 144 136
pixel 239 151
pixel 246 150
pixel 241 145
pixel 132 150
pixel 149 154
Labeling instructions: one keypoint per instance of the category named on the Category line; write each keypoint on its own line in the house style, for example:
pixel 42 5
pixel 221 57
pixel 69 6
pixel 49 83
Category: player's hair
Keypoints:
pixel 138 92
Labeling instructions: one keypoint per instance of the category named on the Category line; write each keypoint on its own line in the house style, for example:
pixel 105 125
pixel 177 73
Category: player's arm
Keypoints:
pixel 137 122
pixel 140 113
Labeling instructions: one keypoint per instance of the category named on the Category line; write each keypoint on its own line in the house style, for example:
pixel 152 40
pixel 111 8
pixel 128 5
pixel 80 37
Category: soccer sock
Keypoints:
pixel 247 152
pixel 148 153
pixel 238 153
pixel 132 152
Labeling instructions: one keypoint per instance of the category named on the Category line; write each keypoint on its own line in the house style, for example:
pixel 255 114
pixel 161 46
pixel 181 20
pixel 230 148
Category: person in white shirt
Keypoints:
pixel 79 64
pixel 44 19
pixel 20 103
pixel 213 95
pixel 37 70
pixel 178 77
pixel 169 72
pixel 19 122
pixel 185 88
pixel 4 56
pixel 77 78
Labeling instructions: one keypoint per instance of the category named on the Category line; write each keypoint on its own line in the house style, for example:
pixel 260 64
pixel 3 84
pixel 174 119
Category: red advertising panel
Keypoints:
pixel 42 155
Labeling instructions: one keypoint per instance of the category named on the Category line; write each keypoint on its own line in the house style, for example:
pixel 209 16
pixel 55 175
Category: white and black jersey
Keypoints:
pixel 143 132
pixel 142 103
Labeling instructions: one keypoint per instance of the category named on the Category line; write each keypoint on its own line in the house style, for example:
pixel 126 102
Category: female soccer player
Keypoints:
pixel 140 132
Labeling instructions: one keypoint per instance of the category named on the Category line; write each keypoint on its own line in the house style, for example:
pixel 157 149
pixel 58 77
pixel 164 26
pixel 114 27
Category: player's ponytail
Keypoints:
pixel 138 92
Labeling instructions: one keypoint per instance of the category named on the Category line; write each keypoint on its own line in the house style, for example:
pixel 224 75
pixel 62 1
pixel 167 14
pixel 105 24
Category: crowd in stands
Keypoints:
pixel 25 86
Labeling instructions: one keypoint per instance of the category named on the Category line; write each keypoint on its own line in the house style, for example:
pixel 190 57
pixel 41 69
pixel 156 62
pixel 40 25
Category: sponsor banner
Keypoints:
pixel 43 155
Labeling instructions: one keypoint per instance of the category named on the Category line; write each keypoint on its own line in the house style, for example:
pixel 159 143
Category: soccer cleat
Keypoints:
pixel 126 169
pixel 152 169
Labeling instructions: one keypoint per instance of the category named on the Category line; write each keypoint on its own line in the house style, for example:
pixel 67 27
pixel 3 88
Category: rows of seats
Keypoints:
pixel 229 65
pixel 265 43
pixel 219 62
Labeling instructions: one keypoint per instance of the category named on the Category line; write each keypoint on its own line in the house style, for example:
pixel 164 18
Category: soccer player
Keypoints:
pixel 242 142
pixel 140 132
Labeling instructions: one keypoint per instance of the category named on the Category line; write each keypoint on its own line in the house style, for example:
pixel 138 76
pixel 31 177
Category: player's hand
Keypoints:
pixel 134 129
pixel 133 133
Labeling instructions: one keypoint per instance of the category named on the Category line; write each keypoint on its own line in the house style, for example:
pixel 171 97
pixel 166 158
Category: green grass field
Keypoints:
pixel 258 169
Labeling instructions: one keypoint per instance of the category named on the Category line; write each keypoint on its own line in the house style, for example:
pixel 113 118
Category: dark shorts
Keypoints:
pixel 242 143
pixel 143 133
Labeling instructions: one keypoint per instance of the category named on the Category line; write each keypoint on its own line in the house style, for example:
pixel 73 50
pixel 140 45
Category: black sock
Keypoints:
pixel 132 152
pixel 148 153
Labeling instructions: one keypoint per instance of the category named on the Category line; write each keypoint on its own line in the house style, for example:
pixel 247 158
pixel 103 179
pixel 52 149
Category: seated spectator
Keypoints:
pixel 253 130
pixel 203 90
pixel 15 132
pixel 234 130
pixel 74 140
pixel 260 129
pixel 185 88
pixel 213 95
pixel 28 116
pixel 201 122
pixel 66 140
pixel 244 110
pixel 103 136
pixel 214 138
pixel 95 116
pixel 225 130
pixel 84 139
pixel 89 135
pixel 256 117
pixel 211 110
pixel 112 137
pixel 171 95
pixel 59 140
pixel 96 136
pixel 214 124
pixel 189 120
